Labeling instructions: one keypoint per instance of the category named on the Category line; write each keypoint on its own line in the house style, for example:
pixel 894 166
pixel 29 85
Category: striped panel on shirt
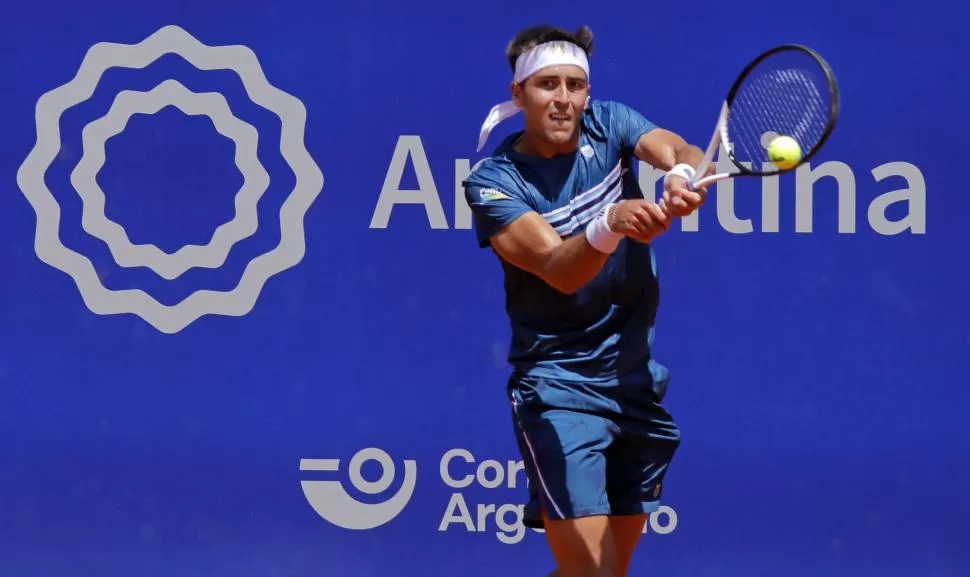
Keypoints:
pixel 568 219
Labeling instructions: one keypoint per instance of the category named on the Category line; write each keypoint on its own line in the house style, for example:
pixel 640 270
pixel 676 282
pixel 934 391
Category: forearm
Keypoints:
pixel 687 154
pixel 567 265
pixel 680 153
pixel 664 149
pixel 572 264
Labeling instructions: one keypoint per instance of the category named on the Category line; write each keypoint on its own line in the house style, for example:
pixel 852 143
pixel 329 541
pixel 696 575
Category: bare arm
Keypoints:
pixel 568 265
pixel 665 149
pixel 531 244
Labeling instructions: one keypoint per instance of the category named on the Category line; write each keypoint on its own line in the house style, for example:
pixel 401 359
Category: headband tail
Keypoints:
pixel 498 114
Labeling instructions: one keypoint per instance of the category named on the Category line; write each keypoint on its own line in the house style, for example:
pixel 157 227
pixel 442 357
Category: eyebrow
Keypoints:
pixel 556 77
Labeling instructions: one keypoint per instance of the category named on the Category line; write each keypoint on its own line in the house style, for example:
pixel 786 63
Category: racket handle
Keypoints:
pixel 707 180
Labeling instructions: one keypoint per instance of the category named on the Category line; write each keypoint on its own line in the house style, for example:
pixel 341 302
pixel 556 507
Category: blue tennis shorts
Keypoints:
pixel 591 450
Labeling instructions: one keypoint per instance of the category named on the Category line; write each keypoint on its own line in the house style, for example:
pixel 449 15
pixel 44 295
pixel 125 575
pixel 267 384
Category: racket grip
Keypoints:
pixel 707 180
pixel 698 179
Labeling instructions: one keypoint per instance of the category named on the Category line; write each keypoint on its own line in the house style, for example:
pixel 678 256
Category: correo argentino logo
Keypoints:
pixel 330 499
pixel 170 318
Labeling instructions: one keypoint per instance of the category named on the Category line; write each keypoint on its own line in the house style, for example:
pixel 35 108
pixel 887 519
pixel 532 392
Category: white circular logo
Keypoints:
pixel 98 298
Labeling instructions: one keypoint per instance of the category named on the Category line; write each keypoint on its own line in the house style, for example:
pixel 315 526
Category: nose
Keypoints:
pixel 562 95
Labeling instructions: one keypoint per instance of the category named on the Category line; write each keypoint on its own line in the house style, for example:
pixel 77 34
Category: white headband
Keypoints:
pixel 541 56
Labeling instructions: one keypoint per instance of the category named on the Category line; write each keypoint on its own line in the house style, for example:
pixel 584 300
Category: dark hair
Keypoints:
pixel 535 35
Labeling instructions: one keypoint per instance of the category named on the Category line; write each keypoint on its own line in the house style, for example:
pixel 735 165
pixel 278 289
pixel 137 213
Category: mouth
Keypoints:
pixel 560 119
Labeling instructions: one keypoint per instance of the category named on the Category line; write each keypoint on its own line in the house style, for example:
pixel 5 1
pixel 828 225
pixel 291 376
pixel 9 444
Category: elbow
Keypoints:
pixel 554 276
pixel 567 280
pixel 566 284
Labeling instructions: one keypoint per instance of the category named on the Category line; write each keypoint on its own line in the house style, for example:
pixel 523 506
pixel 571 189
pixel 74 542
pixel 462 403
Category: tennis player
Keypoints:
pixel 559 205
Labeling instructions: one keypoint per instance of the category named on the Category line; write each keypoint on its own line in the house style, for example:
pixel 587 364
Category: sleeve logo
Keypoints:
pixel 489 194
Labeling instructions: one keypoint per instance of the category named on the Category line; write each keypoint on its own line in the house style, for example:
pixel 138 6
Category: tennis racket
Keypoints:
pixel 788 93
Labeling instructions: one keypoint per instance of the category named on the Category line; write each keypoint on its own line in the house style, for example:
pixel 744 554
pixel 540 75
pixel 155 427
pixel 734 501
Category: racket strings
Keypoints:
pixel 777 102
pixel 755 125
pixel 787 103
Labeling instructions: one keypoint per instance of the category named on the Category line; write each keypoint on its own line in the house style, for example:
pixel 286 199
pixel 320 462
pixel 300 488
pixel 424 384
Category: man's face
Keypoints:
pixel 553 100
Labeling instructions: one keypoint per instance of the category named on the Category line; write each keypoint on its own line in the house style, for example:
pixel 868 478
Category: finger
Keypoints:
pixel 649 225
pixel 690 197
pixel 660 216
pixel 638 226
pixel 669 215
pixel 644 221
pixel 677 205
pixel 675 182
pixel 671 206
pixel 669 211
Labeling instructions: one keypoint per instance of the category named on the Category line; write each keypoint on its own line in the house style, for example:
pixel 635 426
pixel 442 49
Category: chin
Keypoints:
pixel 559 136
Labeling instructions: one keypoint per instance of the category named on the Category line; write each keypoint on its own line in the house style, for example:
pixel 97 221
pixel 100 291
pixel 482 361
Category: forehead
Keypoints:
pixel 570 71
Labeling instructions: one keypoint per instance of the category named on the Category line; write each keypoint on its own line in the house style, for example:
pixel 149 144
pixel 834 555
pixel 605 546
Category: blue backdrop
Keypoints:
pixel 170 411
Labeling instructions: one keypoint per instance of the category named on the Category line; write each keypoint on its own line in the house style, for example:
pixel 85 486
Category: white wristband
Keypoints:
pixel 599 234
pixel 682 170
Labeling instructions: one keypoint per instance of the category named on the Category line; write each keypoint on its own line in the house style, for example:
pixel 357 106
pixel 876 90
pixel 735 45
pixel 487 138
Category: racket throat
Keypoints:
pixel 719 136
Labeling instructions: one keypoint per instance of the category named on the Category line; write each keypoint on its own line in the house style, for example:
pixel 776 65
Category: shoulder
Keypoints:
pixel 604 110
pixel 608 110
pixel 616 124
pixel 611 117
pixel 496 175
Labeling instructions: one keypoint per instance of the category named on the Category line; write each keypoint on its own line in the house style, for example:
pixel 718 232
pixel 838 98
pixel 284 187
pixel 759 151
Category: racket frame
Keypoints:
pixel 720 132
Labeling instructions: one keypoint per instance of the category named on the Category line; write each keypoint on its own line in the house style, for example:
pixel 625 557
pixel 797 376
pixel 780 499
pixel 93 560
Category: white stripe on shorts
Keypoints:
pixel 535 464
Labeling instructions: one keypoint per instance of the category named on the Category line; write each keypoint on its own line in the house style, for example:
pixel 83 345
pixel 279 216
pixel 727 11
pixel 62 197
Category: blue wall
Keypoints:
pixel 814 325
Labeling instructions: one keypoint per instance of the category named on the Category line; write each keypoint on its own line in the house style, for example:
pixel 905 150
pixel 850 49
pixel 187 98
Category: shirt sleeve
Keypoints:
pixel 628 126
pixel 492 209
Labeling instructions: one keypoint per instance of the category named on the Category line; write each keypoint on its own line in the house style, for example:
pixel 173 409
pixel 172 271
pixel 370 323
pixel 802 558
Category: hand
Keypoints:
pixel 640 220
pixel 679 199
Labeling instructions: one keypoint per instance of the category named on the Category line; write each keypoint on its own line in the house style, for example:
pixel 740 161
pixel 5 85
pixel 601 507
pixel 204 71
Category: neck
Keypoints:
pixel 534 146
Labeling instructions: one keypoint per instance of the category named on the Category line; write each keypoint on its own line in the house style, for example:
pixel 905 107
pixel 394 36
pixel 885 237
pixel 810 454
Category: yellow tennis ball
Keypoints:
pixel 785 152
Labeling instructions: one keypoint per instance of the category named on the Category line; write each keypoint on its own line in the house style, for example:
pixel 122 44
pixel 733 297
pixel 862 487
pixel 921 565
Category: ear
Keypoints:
pixel 516 94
